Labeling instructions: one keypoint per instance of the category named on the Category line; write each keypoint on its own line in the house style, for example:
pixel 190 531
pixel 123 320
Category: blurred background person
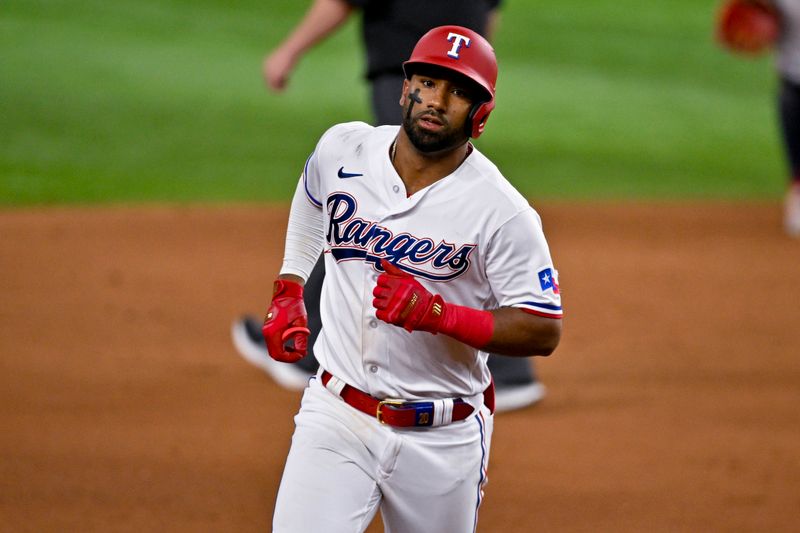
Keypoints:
pixel 788 66
pixel 389 31
pixel 751 27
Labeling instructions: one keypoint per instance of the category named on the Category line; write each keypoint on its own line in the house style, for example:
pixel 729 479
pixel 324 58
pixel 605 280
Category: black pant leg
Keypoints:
pixel 386 90
pixel 510 371
pixel 311 296
pixel 789 112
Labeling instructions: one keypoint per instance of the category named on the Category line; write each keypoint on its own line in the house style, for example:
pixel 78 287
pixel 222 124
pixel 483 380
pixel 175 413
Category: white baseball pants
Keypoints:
pixel 344 465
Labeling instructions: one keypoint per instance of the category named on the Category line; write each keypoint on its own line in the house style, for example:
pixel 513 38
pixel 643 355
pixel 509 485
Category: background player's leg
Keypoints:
pixel 515 381
pixel 385 91
pixel 789 112
pixel 311 296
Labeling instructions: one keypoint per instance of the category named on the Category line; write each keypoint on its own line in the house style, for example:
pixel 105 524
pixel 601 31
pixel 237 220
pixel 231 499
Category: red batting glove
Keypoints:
pixel 403 301
pixel 286 324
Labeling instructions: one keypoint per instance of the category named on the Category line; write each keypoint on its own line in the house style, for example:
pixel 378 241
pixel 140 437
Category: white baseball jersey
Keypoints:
pixel 470 237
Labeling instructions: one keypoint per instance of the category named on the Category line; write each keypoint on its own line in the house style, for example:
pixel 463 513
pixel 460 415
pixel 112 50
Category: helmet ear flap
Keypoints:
pixel 478 116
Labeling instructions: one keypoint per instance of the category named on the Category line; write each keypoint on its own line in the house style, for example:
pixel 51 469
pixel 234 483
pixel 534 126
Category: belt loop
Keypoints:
pixel 335 385
pixel 442 412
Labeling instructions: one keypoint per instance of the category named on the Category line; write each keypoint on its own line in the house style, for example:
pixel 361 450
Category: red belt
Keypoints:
pixel 400 413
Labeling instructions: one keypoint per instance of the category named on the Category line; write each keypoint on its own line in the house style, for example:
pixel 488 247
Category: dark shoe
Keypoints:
pixel 515 382
pixel 249 342
pixel 513 397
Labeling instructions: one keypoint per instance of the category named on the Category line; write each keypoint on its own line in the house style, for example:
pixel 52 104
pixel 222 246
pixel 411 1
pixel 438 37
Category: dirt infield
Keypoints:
pixel 674 398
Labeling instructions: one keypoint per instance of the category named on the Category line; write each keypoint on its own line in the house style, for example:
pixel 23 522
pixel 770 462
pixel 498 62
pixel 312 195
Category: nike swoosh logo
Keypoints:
pixel 343 174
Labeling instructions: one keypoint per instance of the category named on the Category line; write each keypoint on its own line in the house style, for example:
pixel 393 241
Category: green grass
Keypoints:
pixel 152 101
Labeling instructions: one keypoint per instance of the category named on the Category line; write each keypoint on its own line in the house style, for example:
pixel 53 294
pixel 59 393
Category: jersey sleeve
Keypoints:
pixel 310 179
pixel 520 269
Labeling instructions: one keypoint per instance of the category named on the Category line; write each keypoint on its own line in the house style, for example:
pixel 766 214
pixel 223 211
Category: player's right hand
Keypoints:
pixel 286 324
pixel 403 301
pixel 276 69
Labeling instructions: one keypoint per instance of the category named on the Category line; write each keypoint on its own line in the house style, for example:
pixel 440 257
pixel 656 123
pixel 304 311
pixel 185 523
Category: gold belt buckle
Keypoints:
pixel 379 410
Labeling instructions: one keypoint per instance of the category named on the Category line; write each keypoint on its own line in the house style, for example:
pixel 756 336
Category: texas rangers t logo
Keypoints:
pixel 458 41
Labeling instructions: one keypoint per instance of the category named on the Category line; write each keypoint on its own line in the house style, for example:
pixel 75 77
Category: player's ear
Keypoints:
pixel 404 92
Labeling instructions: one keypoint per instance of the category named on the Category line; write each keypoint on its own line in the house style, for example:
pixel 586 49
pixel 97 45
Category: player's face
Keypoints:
pixel 435 110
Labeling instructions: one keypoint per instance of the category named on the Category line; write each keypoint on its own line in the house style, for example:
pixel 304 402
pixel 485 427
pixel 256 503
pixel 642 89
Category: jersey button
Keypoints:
pixel 396 188
pixel 373 324
pixel 373 369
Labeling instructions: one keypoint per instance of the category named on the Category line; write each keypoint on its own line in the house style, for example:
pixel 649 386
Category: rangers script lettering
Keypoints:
pixel 351 237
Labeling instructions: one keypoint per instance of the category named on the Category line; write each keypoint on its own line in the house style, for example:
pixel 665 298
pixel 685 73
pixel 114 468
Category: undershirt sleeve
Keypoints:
pixel 304 235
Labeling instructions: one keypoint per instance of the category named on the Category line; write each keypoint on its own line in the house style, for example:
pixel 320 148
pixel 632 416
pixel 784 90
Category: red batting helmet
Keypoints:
pixel 466 52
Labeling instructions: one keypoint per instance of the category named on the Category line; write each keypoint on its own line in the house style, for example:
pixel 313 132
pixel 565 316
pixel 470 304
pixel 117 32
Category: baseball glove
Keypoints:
pixel 747 27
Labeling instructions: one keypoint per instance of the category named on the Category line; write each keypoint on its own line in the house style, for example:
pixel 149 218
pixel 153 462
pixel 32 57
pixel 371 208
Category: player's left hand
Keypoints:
pixel 286 324
pixel 403 301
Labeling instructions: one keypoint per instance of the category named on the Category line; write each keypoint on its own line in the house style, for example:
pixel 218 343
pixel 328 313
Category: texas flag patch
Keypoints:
pixel 547 281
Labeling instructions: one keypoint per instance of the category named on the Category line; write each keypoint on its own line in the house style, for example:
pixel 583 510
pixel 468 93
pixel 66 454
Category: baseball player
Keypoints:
pixel 432 259
pixel 389 30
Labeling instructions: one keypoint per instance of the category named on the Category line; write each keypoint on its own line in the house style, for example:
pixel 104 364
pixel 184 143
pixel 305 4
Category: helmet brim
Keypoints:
pixel 465 75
